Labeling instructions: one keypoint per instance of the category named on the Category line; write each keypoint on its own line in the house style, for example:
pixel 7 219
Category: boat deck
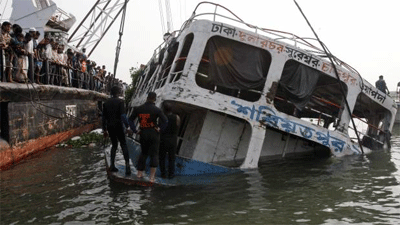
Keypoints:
pixel 132 179
pixel 188 172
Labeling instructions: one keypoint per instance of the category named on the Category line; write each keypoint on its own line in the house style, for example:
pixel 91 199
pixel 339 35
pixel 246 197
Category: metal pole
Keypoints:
pixel 119 42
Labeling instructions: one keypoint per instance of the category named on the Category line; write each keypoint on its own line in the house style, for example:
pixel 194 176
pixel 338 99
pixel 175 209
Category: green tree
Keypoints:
pixel 135 74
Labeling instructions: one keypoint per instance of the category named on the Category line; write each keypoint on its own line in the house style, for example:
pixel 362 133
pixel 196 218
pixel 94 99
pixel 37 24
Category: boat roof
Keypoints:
pixel 44 16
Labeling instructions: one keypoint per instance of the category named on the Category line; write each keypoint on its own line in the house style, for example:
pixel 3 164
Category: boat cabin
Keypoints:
pixel 245 93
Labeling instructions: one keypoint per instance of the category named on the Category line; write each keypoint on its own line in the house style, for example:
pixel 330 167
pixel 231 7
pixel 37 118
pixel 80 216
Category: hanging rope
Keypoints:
pixel 161 16
pixel 170 25
pixel 336 73
pixel 119 42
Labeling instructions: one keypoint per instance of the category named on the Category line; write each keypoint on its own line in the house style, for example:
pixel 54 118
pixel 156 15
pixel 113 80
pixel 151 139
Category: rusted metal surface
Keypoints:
pixel 16 92
pixel 37 117
pixel 34 120
pixel 11 155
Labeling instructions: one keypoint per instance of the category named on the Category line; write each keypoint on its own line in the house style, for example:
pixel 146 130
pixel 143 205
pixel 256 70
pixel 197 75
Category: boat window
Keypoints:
pixel 309 93
pixel 138 86
pixel 180 62
pixel 152 71
pixel 372 122
pixel 169 53
pixel 233 68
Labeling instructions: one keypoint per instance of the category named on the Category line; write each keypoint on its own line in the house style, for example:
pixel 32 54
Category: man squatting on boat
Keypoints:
pixel 113 116
pixel 147 114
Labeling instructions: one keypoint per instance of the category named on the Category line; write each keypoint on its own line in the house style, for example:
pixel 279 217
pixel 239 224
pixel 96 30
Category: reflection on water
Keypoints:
pixel 70 185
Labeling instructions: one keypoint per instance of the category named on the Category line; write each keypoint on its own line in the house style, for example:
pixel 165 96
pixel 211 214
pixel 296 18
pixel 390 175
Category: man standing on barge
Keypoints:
pixel 113 117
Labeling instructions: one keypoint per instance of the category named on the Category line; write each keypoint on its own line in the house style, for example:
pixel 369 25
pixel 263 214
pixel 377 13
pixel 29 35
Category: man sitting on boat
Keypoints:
pixel 147 114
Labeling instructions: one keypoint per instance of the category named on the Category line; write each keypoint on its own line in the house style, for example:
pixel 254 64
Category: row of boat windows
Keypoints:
pixel 240 70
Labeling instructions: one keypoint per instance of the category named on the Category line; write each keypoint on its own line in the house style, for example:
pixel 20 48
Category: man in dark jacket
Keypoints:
pixel 113 117
pixel 381 85
pixel 147 114
pixel 169 141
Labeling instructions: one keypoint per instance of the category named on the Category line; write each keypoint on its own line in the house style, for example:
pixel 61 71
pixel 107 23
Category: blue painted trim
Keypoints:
pixel 269 117
pixel 183 166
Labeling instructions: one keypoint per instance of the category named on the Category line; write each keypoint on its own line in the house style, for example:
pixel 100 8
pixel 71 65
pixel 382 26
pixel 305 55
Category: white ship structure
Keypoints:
pixel 245 93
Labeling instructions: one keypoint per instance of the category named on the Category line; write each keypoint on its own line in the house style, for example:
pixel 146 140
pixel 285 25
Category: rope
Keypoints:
pixel 337 76
pixel 170 25
pixel 161 16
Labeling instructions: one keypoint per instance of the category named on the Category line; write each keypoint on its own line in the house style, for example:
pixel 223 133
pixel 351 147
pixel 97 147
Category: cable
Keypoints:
pixel 337 76
pixel 161 16
pixel 170 24
pixel 119 42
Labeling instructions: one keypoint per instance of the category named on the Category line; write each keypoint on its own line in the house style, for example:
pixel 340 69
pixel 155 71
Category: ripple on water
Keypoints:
pixel 70 186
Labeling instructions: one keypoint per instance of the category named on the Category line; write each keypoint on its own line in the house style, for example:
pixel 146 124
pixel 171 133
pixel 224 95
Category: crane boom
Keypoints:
pixel 96 23
pixel 119 42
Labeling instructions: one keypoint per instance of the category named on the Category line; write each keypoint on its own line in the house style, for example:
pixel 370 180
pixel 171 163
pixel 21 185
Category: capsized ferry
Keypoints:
pixel 245 93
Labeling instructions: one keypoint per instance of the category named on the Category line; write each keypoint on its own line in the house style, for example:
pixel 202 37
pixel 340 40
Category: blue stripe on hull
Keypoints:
pixel 183 166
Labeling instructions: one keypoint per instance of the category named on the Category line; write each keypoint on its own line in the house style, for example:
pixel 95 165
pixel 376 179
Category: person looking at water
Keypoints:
pixel 113 117
pixel 37 57
pixel 381 85
pixel 169 141
pixel 18 46
pixel 5 40
pixel 147 114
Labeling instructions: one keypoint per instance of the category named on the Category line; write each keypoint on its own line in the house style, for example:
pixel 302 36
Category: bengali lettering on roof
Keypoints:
pixel 291 52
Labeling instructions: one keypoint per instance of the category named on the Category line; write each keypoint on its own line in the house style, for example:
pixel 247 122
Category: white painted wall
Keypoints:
pixel 192 134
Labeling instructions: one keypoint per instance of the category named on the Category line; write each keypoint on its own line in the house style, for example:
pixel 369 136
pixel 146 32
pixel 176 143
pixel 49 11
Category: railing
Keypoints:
pixel 328 115
pixel 50 73
pixel 396 95
pixel 277 35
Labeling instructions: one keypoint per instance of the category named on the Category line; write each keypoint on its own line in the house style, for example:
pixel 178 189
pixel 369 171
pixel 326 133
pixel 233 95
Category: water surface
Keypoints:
pixel 70 186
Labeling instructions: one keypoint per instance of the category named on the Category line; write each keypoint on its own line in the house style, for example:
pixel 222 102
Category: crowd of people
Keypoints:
pixel 26 59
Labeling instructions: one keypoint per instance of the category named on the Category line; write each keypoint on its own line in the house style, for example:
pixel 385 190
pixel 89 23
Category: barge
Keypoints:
pixel 37 116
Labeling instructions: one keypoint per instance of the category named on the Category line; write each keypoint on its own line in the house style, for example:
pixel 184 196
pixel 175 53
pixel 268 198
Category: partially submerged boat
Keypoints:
pixel 245 93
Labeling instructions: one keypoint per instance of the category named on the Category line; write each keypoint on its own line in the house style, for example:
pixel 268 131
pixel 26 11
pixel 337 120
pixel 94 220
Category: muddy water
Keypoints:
pixel 70 186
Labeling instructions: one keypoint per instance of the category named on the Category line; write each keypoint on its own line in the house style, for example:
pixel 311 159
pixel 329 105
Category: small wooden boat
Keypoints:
pixel 187 171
